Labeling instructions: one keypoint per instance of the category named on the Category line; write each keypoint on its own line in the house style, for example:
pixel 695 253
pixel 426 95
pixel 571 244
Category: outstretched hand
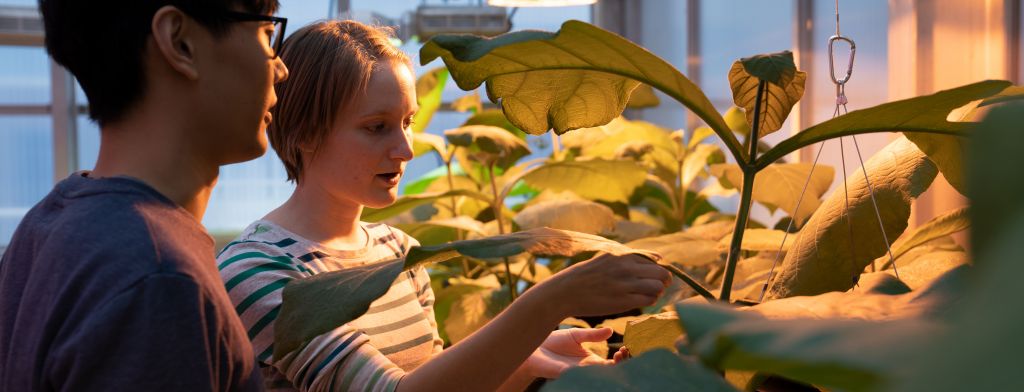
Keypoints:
pixel 563 349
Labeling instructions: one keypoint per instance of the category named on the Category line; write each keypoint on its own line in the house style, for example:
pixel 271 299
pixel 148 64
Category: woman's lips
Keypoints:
pixel 390 179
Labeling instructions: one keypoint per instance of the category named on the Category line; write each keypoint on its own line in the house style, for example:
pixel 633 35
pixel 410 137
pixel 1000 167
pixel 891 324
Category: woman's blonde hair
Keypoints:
pixel 329 63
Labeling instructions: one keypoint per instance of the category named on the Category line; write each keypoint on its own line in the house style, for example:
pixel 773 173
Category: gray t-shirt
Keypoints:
pixel 108 285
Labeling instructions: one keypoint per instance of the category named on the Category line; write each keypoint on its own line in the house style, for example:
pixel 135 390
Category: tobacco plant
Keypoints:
pixel 612 178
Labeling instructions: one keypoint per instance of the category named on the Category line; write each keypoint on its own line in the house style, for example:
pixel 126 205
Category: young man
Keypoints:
pixel 109 282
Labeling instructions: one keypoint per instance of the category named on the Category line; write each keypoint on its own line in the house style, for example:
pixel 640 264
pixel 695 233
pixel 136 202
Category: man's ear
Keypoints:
pixel 175 36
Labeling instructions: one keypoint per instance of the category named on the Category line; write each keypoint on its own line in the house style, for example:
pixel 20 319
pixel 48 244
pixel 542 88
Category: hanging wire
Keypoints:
pixel 841 101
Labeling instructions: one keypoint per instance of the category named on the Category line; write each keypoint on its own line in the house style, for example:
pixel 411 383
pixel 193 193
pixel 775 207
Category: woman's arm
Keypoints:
pixel 485 360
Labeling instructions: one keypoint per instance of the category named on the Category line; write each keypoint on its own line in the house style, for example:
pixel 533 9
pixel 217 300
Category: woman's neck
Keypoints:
pixel 314 214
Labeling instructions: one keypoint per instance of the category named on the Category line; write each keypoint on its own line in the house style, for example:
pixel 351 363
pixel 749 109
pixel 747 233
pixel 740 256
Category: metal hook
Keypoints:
pixel 832 61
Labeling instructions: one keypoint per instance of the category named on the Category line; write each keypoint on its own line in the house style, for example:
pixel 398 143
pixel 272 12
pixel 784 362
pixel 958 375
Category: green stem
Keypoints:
pixel 693 283
pixel 749 171
pixel 496 207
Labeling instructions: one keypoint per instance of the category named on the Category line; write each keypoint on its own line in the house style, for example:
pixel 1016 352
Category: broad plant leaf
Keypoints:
pixel 468 103
pixel 406 203
pixel 489 144
pixel 475 309
pixel 439 231
pixel 428 96
pixel 921 114
pixel 643 97
pixel 577 215
pixel 940 226
pixel 652 332
pixel 849 355
pixel 618 324
pixel 595 179
pixel 759 240
pixel 657 370
pixel 681 248
pixel 580 77
pixel 737 120
pixel 697 161
pixel 420 185
pixel 494 118
pixel 447 297
pixel 661 148
pixel 783 88
pixel 946 152
pixel 699 135
pixel 541 242
pixel 823 257
pixel 305 312
pixel 781 184
pixel 423 143
pixel 994 183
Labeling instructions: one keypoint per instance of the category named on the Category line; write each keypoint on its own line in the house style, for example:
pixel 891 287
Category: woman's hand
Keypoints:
pixel 604 285
pixel 563 349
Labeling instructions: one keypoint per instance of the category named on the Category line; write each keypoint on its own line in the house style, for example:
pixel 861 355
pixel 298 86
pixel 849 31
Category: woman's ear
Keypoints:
pixel 175 36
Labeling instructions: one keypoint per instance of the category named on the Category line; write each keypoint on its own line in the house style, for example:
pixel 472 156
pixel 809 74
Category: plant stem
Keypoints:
pixel 451 187
pixel 496 207
pixel 686 278
pixel 681 191
pixel 749 171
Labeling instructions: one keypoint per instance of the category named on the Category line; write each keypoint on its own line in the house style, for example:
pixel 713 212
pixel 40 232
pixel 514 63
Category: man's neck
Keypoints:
pixel 159 154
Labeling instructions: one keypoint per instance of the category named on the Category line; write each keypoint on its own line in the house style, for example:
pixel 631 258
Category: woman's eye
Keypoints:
pixel 374 128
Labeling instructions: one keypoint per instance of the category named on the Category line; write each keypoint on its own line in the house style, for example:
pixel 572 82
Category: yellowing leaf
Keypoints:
pixel 780 185
pixel 423 143
pixel 492 144
pixel 783 87
pixel 577 215
pixel 652 332
pixel 643 97
pixel 428 96
pixel 594 179
pixel 681 248
pixel 468 103
pixel 759 240
pixel 940 226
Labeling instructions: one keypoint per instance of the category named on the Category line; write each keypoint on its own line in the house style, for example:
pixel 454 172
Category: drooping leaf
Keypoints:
pixel 658 370
pixel 784 86
pixel 681 248
pixel 305 314
pixel 580 77
pixel 940 226
pixel 699 135
pixel 447 298
pixel 577 215
pixel 475 309
pixel 823 257
pixel 543 242
pixel 780 185
pixel 946 152
pixel 468 103
pixel 850 355
pixel 428 97
pixel 920 114
pixel 697 161
pixel 596 179
pixel 409 202
pixel 643 97
pixel 489 144
pixel 662 149
pixel 652 332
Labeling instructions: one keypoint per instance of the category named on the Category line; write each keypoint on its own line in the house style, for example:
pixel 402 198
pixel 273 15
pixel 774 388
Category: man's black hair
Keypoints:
pixel 102 42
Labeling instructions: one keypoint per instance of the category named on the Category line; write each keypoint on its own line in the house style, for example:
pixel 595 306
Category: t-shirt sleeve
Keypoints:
pixel 129 342
pixel 339 360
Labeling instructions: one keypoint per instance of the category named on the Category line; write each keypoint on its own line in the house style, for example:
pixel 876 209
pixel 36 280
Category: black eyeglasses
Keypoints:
pixel 279 26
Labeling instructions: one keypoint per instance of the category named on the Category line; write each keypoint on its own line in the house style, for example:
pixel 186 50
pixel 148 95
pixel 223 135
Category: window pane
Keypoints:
pixel 246 192
pixel 24 76
pixel 88 142
pixel 26 157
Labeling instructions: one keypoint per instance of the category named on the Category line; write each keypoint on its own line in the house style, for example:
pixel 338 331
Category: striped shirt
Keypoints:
pixel 371 353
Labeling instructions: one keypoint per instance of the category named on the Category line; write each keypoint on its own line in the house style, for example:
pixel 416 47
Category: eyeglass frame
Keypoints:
pixel 235 16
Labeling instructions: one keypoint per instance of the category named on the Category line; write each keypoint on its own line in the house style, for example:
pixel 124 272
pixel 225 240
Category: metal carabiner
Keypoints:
pixel 831 59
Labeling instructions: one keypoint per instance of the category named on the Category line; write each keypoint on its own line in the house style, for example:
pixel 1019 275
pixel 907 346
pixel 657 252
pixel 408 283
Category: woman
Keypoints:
pixel 341 127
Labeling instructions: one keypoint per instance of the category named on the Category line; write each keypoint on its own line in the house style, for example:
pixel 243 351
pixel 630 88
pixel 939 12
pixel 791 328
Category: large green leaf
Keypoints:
pixel 595 179
pixel 423 143
pixel 921 114
pixel 784 86
pixel 849 355
pixel 658 370
pixel 475 309
pixel 737 120
pixel 580 77
pixel 823 256
pixel 406 203
pixel 940 226
pixel 780 185
pixel 489 144
pixel 543 242
pixel 439 231
pixel 323 302
pixel 495 118
pixel 626 133
pixel 577 215
pixel 428 97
